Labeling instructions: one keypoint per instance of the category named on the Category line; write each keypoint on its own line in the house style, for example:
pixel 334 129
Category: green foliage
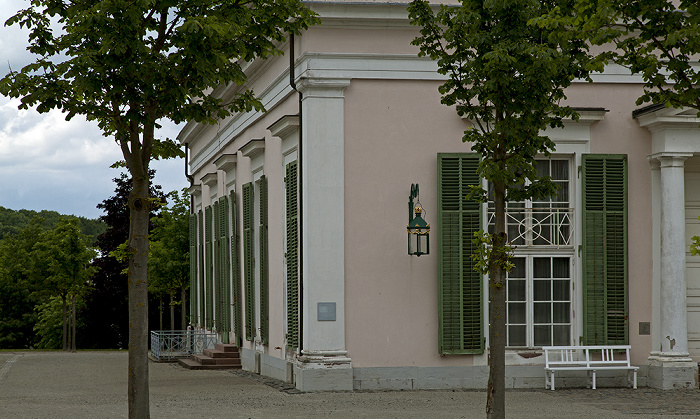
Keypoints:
pixel 128 64
pixel 12 221
pixel 48 329
pixel 169 263
pixel 485 251
pixel 62 258
pixel 658 39
pixel 695 245
pixel 20 287
pixel 507 77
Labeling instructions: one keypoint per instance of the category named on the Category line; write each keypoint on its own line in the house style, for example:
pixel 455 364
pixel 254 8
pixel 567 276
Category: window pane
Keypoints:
pixel 562 335
pixel 543 335
pixel 541 267
pixel 542 167
pixel 563 193
pixel 519 270
pixel 516 290
pixel 541 290
pixel 516 336
pixel 561 312
pixel 543 312
pixel 560 290
pixel 561 267
pixel 560 170
pixel 516 313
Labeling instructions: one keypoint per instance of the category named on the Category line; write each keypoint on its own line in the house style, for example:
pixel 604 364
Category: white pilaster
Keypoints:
pixel 672 366
pixel 674 328
pixel 323 231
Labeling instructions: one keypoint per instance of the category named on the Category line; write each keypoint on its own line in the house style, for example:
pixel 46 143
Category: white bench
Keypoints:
pixel 587 358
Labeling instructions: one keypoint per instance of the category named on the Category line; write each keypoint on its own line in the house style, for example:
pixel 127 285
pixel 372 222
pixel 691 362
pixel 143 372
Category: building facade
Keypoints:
pixel 298 238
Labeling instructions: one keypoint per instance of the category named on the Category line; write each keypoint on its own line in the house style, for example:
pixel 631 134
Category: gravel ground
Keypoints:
pixel 93 385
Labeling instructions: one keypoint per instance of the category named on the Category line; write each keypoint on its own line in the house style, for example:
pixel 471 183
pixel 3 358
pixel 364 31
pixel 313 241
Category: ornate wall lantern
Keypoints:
pixel 418 229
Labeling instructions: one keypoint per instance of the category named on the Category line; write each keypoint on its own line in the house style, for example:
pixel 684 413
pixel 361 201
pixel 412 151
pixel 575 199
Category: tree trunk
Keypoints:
pixel 65 324
pixel 172 309
pixel 74 345
pixel 139 208
pixel 496 396
pixel 183 308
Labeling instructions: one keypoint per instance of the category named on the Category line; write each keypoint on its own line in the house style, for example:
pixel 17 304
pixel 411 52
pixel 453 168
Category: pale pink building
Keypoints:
pixel 299 242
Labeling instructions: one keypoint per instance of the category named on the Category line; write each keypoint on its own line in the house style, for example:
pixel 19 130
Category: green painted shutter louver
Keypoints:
pixel 292 256
pixel 193 267
pixel 460 286
pixel 209 279
pixel 264 266
pixel 248 273
pixel 224 295
pixel 202 270
pixel 236 271
pixel 605 272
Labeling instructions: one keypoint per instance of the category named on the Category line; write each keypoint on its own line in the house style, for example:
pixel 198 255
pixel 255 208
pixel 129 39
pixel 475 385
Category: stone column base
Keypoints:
pixel 323 371
pixel 672 371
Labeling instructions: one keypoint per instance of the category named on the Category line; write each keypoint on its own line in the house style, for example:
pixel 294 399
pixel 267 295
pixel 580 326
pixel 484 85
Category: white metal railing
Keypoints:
pixel 538 226
pixel 172 344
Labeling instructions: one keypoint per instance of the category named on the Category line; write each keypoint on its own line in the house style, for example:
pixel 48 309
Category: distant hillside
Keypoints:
pixel 11 221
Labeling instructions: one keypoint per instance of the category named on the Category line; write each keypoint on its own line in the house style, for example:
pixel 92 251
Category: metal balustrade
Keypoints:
pixel 173 344
pixel 538 226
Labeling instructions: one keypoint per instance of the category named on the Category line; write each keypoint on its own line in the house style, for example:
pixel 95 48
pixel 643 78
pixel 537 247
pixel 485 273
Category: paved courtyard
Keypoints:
pixel 93 385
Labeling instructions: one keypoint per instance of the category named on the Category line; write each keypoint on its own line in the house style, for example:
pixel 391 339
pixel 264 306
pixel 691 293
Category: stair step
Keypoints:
pixel 227 347
pixel 215 353
pixel 207 360
pixel 194 365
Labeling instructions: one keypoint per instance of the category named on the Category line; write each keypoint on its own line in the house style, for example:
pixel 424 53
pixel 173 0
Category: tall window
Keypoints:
pixel 539 301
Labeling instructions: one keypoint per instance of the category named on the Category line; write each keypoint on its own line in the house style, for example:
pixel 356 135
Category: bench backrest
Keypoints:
pixel 587 356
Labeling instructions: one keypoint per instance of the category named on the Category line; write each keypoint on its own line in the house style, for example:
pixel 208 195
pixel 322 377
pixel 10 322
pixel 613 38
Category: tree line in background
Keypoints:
pixel 62 285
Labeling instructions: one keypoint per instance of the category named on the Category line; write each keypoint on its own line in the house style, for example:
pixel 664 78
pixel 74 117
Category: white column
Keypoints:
pixel 674 328
pixel 324 356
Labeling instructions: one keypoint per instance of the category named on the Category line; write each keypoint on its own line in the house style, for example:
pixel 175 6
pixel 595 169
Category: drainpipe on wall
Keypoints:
pixel 188 176
pixel 300 218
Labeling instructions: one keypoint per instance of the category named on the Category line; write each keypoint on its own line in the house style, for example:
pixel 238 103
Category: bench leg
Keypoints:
pixel 635 379
pixel 593 379
pixel 551 380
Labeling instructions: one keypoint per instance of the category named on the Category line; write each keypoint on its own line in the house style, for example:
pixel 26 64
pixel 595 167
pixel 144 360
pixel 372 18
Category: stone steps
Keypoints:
pixel 223 356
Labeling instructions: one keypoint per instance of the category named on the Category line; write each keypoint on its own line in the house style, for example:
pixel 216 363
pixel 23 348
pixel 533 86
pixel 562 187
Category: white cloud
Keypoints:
pixel 47 162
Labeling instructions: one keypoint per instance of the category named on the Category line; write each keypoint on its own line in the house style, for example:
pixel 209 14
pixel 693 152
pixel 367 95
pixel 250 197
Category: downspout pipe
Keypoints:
pixel 189 177
pixel 300 218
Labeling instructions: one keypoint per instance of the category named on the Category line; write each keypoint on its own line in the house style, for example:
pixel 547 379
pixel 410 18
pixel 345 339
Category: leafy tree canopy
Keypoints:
pixel 508 77
pixel 658 39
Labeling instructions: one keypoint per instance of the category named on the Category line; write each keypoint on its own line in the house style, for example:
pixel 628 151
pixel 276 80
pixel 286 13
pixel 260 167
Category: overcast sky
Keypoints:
pixel 49 163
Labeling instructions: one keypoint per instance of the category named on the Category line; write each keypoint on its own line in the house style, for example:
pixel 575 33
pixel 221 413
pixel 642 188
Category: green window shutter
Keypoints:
pixel 224 281
pixel 604 257
pixel 217 267
pixel 249 276
pixel 202 271
pixel 236 270
pixel 460 287
pixel 292 256
pixel 264 266
pixel 193 267
pixel 209 280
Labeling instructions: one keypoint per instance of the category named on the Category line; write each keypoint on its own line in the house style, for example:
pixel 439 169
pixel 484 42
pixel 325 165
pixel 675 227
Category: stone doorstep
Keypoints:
pixel 215 353
pixel 225 356
pixel 226 347
pixel 207 360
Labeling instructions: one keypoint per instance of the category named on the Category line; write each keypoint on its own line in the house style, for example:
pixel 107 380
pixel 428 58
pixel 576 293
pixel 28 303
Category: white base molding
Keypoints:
pixel 672 371
pixel 323 371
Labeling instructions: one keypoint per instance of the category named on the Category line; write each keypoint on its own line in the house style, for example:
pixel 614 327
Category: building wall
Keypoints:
pixel 393 128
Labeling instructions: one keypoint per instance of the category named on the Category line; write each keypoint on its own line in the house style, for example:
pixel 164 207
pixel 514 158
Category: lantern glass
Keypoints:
pixel 418 234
